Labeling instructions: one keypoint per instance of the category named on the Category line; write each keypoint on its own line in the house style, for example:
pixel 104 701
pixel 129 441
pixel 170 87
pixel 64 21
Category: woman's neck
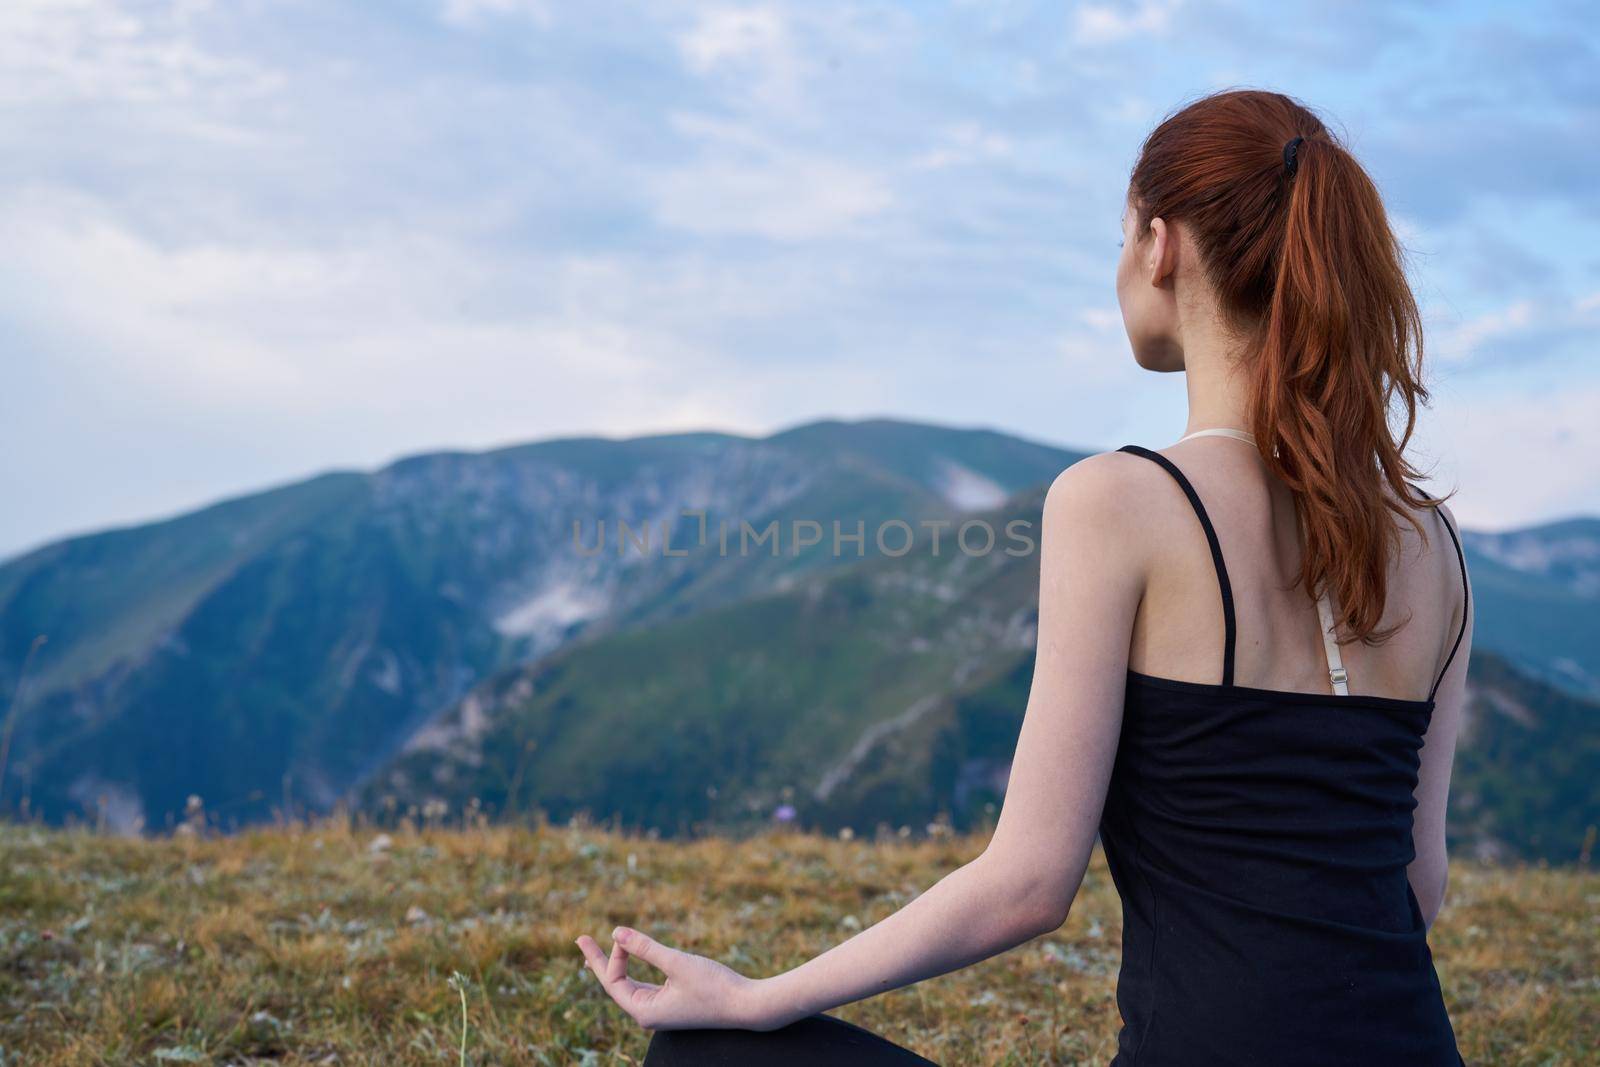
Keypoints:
pixel 1218 390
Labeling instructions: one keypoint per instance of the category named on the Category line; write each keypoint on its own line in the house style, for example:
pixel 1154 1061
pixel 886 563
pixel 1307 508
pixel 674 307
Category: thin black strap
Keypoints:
pixel 1228 626
pixel 1466 597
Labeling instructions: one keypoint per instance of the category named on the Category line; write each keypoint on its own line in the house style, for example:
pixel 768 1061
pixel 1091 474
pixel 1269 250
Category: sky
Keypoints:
pixel 244 242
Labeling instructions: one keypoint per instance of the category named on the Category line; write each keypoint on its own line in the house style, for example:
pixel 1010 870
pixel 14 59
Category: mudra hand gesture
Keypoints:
pixel 698 992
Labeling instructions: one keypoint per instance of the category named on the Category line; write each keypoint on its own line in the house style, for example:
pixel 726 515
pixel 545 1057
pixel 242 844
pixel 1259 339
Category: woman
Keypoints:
pixel 1267 768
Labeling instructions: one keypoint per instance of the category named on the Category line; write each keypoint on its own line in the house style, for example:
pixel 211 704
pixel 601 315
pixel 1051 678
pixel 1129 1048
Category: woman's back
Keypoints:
pixel 1178 632
pixel 1258 824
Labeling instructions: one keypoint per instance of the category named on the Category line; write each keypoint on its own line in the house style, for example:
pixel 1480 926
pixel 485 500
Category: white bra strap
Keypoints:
pixel 1337 675
pixel 1336 672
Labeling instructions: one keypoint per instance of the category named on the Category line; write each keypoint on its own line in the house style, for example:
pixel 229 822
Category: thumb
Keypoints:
pixel 644 947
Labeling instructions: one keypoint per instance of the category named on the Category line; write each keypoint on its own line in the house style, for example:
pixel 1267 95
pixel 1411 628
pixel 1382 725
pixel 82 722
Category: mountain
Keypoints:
pixel 1538 593
pixel 461 625
pixel 274 650
pixel 888 692
pixel 833 695
pixel 1526 781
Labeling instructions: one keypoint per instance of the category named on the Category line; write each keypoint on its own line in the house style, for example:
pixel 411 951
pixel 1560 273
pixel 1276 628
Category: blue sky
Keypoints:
pixel 248 241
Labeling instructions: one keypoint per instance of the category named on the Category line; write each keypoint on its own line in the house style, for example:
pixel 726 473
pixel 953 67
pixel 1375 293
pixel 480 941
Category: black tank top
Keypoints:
pixel 1259 841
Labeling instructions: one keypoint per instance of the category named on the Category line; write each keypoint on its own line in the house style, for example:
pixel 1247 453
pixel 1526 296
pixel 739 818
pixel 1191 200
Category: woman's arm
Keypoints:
pixel 1429 870
pixel 1091 579
pixel 1090 583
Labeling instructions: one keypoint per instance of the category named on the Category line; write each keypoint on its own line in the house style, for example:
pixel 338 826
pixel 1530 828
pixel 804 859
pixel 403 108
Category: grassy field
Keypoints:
pixel 315 945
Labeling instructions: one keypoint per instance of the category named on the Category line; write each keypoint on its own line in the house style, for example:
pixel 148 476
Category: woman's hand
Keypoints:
pixel 698 992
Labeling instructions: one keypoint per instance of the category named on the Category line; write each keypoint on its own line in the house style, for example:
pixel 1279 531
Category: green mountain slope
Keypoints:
pixel 277 648
pixel 1538 596
pixel 1527 777
pixel 285 647
pixel 792 697
pixel 889 692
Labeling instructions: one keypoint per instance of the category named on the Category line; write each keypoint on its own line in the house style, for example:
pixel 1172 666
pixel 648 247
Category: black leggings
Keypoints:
pixel 815 1039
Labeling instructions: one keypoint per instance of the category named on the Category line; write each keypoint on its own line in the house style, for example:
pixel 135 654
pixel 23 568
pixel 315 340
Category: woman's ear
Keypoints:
pixel 1162 258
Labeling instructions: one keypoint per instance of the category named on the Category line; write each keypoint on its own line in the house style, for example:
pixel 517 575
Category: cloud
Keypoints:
pixel 247 241
pixel 737 37
pixel 745 183
pixel 1470 337
pixel 1501 451
pixel 82 52
pixel 1103 23
pixel 275 331
pixel 476 12
pixel 1549 327
pixel 965 144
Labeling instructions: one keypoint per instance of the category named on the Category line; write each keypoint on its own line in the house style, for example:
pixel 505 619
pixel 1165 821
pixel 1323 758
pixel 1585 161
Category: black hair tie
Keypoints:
pixel 1291 159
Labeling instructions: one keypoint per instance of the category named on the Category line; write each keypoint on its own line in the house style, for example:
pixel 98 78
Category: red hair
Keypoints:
pixel 1309 272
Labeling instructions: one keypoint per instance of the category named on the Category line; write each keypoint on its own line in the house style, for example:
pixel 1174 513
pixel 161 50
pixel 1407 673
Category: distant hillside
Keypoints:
pixel 1526 781
pixel 276 648
pixel 1539 599
pixel 324 640
pixel 836 696
pixel 889 692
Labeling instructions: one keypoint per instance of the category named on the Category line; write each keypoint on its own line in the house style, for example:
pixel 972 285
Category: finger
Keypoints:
pixel 611 970
pixel 617 965
pixel 593 956
pixel 648 949
pixel 629 995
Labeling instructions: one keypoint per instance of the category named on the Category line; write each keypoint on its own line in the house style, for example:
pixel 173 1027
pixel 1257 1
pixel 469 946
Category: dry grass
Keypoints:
pixel 306 946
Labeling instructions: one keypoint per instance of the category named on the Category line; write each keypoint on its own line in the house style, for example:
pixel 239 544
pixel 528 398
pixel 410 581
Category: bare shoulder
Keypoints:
pixel 1096 538
pixel 1105 495
pixel 1430 535
pixel 1429 558
pixel 1448 546
pixel 1449 516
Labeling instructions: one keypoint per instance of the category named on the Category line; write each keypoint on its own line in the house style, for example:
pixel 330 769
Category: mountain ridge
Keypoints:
pixel 316 624
pixel 280 649
pixel 926 735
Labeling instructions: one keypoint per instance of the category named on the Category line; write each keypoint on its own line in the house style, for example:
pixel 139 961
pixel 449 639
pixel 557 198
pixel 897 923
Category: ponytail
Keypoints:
pixel 1294 235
